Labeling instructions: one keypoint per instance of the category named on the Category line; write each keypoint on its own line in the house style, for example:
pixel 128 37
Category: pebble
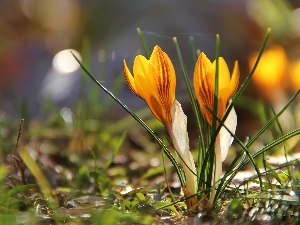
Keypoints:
pixel 274 207
pixel 252 211
pixel 264 217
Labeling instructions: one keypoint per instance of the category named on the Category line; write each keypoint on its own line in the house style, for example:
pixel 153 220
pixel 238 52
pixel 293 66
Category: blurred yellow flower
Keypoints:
pixel 270 74
pixel 295 75
pixel 154 81
pixel 204 82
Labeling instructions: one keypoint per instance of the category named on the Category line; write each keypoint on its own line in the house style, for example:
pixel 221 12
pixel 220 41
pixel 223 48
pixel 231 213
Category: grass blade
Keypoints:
pixel 232 170
pixel 36 172
pixel 16 190
pixel 193 50
pixel 144 43
pixel 280 140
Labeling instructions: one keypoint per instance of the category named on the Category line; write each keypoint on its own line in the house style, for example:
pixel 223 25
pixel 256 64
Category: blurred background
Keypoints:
pixel 37 37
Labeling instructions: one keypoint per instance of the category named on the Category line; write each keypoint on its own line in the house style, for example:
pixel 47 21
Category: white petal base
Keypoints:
pixel 224 138
pixel 179 136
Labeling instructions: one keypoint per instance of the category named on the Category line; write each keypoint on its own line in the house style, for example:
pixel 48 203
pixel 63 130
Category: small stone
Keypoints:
pixel 71 204
pixel 267 203
pixel 264 217
pixel 274 207
pixel 252 211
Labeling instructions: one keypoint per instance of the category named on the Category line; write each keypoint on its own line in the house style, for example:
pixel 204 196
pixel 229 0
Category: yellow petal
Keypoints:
pixel 129 79
pixel 140 66
pixel 142 77
pixel 227 85
pixel 222 103
pixel 224 75
pixel 234 81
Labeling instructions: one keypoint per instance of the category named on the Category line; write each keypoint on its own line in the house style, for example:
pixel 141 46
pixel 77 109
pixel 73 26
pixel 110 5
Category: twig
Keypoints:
pixel 18 161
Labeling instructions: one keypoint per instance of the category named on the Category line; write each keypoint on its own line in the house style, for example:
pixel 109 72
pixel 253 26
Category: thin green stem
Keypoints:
pixel 215 158
pixel 216 88
pixel 144 43
pixel 193 50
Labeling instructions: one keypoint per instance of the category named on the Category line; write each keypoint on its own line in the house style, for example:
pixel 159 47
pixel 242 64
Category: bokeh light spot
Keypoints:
pixel 64 62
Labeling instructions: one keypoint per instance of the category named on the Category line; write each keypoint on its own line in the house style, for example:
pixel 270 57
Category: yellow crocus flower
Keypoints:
pixel 154 81
pixel 204 84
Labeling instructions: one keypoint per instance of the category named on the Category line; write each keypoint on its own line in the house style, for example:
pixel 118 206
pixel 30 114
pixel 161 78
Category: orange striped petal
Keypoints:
pixel 155 82
pixel 163 80
pixel 204 85
pixel 204 80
